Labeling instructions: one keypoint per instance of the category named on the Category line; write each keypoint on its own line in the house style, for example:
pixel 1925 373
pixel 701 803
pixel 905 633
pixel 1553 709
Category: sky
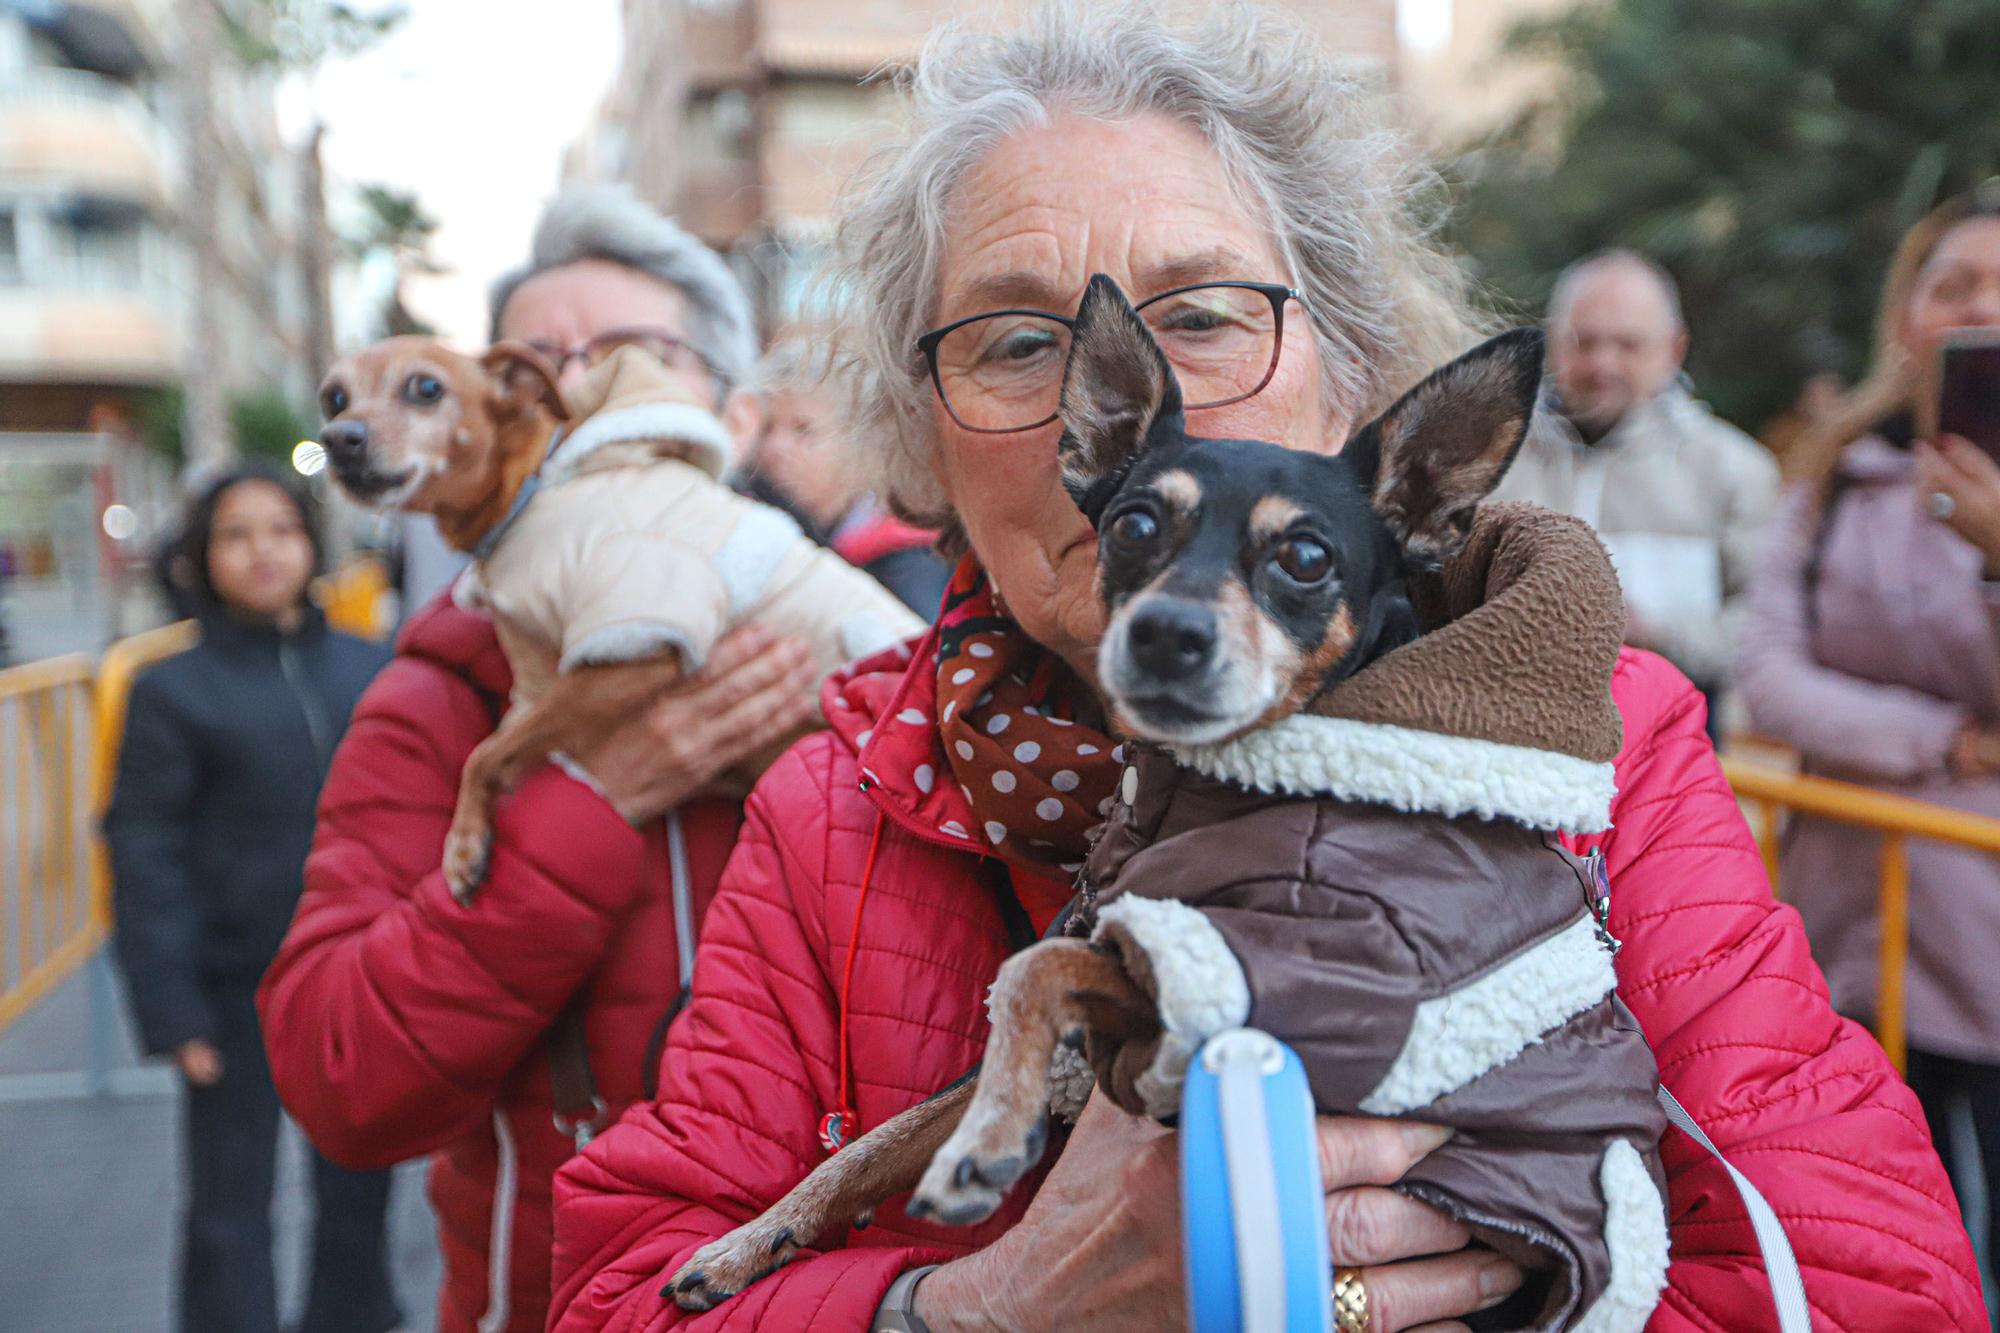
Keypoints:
pixel 469 104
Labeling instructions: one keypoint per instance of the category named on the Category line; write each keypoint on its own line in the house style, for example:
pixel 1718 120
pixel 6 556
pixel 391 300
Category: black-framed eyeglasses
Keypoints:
pixel 663 345
pixel 1001 371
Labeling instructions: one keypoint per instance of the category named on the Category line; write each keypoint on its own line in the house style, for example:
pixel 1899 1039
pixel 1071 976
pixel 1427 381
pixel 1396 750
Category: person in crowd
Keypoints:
pixel 1874 617
pixel 887 868
pixel 1679 496
pixel 401 1024
pixel 224 751
pixel 796 463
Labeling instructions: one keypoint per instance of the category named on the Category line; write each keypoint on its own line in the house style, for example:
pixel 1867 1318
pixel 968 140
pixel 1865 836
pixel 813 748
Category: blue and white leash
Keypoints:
pixel 1253 1220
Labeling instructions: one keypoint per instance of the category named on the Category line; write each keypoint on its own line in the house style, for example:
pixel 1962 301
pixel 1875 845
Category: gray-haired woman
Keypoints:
pixel 1231 180
pixel 398 1024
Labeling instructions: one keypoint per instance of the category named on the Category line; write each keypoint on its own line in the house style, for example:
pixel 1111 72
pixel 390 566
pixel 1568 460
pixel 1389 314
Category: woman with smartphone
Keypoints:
pixel 1871 648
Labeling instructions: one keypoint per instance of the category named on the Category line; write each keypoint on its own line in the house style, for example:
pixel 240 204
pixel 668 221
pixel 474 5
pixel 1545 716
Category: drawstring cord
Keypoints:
pixel 837 1127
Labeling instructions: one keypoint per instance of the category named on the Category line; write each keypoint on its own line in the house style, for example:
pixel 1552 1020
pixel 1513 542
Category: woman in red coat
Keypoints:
pixel 400 1024
pixel 885 870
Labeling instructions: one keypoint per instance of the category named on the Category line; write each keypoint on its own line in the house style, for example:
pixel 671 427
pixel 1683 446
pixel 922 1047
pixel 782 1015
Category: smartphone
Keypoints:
pixel 1968 396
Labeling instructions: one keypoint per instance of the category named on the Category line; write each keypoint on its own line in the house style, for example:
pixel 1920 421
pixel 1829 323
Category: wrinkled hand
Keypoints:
pixel 200 1063
pixel 754 691
pixel 1963 471
pixel 1100 1246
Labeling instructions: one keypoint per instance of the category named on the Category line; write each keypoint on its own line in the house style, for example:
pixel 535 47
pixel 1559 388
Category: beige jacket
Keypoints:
pixel 1680 498
pixel 632 545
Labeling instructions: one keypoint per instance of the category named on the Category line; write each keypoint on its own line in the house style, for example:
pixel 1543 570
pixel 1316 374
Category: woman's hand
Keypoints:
pixel 754 691
pixel 200 1063
pixel 1962 471
pixel 1100 1246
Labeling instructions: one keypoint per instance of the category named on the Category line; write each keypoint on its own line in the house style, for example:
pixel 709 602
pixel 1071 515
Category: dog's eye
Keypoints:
pixel 424 388
pixel 334 401
pixel 1304 560
pixel 1135 526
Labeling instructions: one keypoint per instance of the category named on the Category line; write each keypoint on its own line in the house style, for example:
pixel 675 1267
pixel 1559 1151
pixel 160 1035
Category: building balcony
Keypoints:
pixel 87 321
pixel 82 131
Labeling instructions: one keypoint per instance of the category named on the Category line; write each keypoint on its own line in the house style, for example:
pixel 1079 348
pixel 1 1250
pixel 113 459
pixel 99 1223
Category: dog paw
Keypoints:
pixel 724 1267
pixel 466 856
pixel 967 1179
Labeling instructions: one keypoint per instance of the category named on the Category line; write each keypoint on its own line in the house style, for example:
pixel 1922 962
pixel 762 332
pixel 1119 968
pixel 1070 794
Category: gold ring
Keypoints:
pixel 1350 1301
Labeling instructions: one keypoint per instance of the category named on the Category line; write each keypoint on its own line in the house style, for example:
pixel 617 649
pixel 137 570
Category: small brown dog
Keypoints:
pixel 607 549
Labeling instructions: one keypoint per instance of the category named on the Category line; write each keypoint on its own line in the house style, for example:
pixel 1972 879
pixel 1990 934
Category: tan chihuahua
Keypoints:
pixel 630 561
pixel 413 425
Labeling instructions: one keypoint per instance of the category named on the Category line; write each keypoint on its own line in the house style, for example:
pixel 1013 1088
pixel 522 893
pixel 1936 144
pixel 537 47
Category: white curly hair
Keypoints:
pixel 1303 139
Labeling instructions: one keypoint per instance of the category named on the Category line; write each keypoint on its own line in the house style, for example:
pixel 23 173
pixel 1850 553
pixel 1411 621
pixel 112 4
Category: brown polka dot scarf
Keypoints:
pixel 1013 718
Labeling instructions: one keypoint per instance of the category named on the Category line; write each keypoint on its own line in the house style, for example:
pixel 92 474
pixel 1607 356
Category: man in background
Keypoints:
pixel 1679 496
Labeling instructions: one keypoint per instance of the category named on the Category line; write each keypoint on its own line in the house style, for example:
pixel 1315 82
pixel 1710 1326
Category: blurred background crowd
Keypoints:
pixel 1725 212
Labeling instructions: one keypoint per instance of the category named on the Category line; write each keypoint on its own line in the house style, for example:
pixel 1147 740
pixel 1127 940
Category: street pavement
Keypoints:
pixel 93 1187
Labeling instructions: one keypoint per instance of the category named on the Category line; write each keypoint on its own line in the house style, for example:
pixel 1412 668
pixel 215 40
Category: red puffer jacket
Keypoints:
pixel 1802 1101
pixel 400 1023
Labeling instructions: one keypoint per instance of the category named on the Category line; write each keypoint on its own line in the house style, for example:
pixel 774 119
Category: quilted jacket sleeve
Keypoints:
pixel 726 1142
pixel 1891 732
pixel 1802 1101
pixel 392 1014
pixel 159 907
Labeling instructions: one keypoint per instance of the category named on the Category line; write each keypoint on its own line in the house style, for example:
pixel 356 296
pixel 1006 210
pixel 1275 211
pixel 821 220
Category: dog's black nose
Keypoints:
pixel 1172 639
pixel 346 441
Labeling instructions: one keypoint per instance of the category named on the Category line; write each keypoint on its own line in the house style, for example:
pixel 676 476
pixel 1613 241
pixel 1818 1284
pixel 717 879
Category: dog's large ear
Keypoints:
pixel 523 377
pixel 1429 460
pixel 1117 391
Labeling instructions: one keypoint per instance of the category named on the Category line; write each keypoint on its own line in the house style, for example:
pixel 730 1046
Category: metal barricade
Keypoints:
pixel 356 598
pixel 1897 819
pixel 49 923
pixel 61 722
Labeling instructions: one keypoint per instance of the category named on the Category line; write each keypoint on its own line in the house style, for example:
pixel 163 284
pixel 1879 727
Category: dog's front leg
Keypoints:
pixel 1055 991
pixel 581 706
pixel 846 1188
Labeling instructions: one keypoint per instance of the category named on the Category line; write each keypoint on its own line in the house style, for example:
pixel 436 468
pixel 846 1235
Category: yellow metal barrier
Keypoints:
pixel 1897 819
pixel 47 926
pixel 355 597
pixel 60 726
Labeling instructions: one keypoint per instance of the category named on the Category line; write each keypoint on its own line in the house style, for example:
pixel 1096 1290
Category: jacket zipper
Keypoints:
pixel 293 671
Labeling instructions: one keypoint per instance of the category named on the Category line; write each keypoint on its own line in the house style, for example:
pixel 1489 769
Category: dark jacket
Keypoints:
pixel 1379 882
pixel 225 748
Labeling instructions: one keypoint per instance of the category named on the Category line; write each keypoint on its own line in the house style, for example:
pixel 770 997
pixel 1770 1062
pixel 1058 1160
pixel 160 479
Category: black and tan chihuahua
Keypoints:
pixel 1242 579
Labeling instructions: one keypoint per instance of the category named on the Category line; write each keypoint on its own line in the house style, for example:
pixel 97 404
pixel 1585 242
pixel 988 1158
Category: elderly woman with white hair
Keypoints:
pixel 1227 175
pixel 399 1024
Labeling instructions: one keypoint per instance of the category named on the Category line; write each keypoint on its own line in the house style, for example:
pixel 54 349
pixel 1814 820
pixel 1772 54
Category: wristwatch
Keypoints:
pixel 898 1311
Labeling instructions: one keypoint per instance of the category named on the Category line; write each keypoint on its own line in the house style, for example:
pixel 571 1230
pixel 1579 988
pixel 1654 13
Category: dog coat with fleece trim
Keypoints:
pixel 1378 882
pixel 633 545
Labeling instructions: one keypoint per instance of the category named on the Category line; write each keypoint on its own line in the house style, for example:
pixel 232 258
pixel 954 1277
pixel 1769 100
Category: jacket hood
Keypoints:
pixel 1502 711
pixel 633 401
pixel 462 642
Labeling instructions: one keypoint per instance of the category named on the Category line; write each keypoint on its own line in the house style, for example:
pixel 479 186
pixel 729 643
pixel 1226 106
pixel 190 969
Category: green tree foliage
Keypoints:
pixel 300 34
pixel 1769 153
pixel 392 222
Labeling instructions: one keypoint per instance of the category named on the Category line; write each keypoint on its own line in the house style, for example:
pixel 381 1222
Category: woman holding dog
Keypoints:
pixel 1875 656
pixel 887 869
pixel 400 1024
